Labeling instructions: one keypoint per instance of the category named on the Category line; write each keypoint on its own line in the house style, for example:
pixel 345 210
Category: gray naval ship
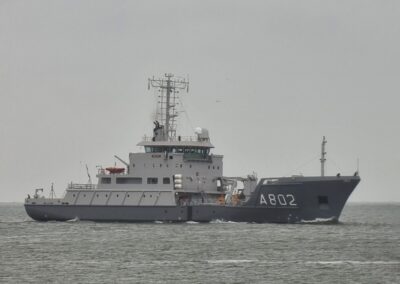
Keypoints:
pixel 178 179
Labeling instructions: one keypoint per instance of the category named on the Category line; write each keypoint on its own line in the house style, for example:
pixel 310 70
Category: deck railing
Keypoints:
pixel 82 186
pixel 174 139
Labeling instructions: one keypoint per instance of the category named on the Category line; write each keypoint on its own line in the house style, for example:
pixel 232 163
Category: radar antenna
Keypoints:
pixel 323 156
pixel 168 87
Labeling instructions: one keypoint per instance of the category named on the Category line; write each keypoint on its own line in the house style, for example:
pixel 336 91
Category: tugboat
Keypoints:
pixel 178 179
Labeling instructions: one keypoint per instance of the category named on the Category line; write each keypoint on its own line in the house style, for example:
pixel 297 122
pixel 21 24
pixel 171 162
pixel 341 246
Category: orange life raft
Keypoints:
pixel 115 170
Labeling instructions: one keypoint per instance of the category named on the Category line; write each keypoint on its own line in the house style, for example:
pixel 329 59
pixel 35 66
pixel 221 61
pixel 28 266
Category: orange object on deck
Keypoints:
pixel 221 199
pixel 115 170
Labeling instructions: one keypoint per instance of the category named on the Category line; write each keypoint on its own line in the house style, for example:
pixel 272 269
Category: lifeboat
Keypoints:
pixel 115 170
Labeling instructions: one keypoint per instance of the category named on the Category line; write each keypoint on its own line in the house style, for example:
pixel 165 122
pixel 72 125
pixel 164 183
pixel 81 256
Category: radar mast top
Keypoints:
pixel 169 87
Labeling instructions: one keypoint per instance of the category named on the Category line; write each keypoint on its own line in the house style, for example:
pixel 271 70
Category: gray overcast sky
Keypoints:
pixel 73 86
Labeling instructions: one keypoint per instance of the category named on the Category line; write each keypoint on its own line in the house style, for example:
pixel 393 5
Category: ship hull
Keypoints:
pixel 282 201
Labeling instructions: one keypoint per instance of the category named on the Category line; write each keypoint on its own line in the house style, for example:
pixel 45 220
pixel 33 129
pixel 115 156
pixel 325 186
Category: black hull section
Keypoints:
pixel 283 201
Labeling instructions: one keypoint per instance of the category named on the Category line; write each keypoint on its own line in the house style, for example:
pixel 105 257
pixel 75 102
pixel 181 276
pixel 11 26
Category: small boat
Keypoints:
pixel 115 170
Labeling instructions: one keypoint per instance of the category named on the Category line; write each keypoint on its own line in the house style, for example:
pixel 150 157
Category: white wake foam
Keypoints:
pixel 221 221
pixel 354 262
pixel 319 221
pixel 76 219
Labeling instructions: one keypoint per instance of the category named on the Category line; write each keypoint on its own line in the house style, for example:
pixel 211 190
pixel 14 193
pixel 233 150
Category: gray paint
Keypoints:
pixel 306 191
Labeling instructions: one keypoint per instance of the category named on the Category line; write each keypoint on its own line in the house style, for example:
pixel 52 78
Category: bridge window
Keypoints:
pixel 129 180
pixel 148 149
pixel 152 180
pixel 166 180
pixel 196 153
pixel 200 152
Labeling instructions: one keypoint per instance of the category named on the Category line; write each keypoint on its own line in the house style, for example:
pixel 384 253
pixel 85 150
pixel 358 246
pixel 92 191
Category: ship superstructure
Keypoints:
pixel 177 178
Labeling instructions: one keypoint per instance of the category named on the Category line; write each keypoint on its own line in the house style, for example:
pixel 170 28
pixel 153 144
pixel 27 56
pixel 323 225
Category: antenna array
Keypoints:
pixel 169 88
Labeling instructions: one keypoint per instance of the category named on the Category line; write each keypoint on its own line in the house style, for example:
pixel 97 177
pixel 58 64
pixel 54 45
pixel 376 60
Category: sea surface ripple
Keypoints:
pixel 363 248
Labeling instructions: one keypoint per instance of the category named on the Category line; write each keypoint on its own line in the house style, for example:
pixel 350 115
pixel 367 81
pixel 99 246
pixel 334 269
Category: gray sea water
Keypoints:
pixel 363 248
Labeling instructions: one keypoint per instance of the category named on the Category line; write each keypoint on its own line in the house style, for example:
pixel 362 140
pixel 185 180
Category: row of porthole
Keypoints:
pixel 133 165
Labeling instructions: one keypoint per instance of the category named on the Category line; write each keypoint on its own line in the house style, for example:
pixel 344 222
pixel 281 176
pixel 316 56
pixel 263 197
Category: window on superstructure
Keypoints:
pixel 196 153
pixel 106 180
pixel 130 180
pixel 149 149
pixel 166 180
pixel 152 180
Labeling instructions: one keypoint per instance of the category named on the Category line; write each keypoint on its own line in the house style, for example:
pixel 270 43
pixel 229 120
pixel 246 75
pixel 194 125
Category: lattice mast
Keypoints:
pixel 169 88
